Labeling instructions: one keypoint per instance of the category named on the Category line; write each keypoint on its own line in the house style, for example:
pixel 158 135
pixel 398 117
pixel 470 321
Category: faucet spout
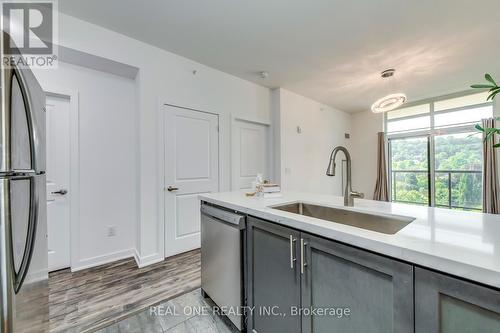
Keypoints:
pixel 349 194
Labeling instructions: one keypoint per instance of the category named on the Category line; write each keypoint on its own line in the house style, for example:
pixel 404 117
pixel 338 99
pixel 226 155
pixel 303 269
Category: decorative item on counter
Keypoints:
pixel 264 188
pixel 270 188
pixel 257 182
pixel 259 179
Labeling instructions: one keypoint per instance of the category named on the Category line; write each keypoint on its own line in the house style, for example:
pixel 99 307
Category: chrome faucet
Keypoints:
pixel 349 194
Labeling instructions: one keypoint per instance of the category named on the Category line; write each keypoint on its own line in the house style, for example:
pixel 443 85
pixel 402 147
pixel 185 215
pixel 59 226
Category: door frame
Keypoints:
pixel 74 180
pixel 222 183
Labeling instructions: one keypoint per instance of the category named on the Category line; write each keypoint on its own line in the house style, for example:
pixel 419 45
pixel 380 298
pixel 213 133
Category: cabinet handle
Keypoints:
pixel 292 259
pixel 302 254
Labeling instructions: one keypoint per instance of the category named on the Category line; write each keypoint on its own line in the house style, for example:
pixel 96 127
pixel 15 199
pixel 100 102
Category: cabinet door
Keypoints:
pixel 273 277
pixel 357 291
pixel 445 304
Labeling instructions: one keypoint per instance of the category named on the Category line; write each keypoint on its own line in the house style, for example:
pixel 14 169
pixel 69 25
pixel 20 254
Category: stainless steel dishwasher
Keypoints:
pixel 222 266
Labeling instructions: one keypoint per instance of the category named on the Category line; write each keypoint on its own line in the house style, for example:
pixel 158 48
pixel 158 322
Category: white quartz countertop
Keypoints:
pixel 463 244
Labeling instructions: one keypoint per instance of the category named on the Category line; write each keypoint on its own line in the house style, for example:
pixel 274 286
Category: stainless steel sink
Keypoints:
pixel 380 223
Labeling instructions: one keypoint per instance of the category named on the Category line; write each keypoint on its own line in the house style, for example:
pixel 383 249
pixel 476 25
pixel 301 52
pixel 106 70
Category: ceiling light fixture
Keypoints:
pixel 263 74
pixel 391 101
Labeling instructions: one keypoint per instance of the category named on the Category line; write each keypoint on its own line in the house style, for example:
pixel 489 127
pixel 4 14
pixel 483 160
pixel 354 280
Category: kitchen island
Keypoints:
pixel 442 266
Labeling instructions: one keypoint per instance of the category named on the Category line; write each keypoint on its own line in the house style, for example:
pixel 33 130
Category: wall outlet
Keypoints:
pixel 111 231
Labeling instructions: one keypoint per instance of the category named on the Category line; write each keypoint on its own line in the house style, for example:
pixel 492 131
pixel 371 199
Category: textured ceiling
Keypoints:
pixel 329 50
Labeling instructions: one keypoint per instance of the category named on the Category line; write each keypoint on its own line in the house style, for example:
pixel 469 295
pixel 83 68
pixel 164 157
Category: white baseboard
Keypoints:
pixel 104 259
pixel 137 257
pixel 147 260
pixel 119 255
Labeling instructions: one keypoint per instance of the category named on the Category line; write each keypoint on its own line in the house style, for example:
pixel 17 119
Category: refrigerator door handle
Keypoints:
pixel 8 77
pixel 20 276
pixel 33 135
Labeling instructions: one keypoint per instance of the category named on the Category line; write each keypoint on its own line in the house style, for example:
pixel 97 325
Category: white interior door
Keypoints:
pixel 58 178
pixel 250 153
pixel 191 167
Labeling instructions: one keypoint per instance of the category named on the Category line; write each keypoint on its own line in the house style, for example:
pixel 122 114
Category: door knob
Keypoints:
pixel 171 189
pixel 61 192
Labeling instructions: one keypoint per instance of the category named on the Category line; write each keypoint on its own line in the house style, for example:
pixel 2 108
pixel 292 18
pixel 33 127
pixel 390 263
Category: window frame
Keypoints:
pixel 430 133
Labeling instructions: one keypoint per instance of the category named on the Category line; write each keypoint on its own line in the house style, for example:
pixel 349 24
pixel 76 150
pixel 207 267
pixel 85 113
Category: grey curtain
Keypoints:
pixel 490 173
pixel 381 189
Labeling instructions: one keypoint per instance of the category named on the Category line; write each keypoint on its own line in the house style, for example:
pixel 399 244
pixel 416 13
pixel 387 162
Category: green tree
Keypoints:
pixel 459 152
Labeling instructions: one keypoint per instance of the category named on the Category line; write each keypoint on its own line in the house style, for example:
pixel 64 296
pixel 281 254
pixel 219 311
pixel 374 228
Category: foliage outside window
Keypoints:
pixel 435 154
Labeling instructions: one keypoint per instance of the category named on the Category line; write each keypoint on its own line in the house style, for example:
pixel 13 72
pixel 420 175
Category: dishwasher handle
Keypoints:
pixel 231 218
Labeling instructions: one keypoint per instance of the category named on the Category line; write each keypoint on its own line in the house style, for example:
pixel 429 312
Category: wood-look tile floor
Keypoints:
pixel 179 315
pixel 94 298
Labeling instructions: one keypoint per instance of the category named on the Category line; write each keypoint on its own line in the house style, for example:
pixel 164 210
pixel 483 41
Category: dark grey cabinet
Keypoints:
pixel 273 280
pixel 299 282
pixel 448 305
pixel 323 286
pixel 357 290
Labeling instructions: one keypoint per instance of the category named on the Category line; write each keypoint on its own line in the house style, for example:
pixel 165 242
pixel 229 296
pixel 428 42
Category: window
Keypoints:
pixel 435 155
pixel 410 170
pixel 409 119
pixel 458 170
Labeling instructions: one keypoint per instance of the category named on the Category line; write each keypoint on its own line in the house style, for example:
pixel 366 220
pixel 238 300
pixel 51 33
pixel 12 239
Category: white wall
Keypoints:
pixel 162 77
pixel 365 126
pixel 108 190
pixel 276 133
pixel 304 156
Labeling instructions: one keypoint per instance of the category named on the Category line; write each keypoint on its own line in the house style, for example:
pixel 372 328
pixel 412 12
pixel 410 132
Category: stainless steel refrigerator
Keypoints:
pixel 23 217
